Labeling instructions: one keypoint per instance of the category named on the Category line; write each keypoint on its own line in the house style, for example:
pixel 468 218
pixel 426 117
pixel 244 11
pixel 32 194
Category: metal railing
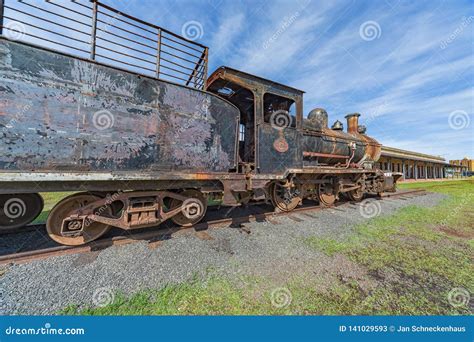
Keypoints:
pixel 93 30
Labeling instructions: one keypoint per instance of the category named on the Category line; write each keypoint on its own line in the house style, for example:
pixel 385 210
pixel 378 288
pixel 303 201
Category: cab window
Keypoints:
pixel 279 110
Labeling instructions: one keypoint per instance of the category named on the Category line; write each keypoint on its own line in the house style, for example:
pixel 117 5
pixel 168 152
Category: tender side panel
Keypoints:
pixel 62 113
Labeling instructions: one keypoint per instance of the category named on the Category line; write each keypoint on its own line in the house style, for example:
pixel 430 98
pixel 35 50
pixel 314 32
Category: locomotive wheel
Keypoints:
pixel 18 210
pixel 283 198
pixel 194 211
pixel 326 194
pixel 62 210
pixel 355 195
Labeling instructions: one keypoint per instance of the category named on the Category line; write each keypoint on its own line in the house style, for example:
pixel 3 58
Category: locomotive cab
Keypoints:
pixel 270 119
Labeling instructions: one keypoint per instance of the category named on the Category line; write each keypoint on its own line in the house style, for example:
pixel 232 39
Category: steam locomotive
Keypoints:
pixel 137 150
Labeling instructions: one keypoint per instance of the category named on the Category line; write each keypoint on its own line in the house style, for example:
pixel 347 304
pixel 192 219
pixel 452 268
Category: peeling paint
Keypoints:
pixel 82 114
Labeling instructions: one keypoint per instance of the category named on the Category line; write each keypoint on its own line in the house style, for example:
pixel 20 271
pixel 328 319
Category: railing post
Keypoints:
pixel 94 28
pixel 2 5
pixel 204 76
pixel 158 54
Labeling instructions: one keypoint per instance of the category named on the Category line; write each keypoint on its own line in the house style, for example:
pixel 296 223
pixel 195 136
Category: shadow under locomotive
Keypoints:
pixel 35 237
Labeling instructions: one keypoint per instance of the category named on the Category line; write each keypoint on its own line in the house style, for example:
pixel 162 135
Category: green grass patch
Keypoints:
pixel 419 254
pixel 214 296
pixel 50 199
pixel 414 257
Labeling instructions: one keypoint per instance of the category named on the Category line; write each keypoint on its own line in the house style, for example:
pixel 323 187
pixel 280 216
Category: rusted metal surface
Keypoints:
pixel 317 120
pixel 155 236
pixel 311 144
pixel 70 123
pixel 63 113
pixel 325 155
pixel 353 123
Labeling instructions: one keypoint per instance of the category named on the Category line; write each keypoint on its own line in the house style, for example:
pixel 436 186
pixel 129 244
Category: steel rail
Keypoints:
pixel 50 12
pixel 50 31
pixel 122 37
pixel 39 254
pixel 148 24
pixel 45 39
pixel 69 9
pixel 130 64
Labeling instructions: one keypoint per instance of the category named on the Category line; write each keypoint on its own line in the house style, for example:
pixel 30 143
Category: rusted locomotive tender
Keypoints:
pixel 140 150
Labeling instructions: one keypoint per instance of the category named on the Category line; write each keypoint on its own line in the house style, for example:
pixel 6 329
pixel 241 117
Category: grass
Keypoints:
pixel 419 254
pixel 50 199
pixel 415 257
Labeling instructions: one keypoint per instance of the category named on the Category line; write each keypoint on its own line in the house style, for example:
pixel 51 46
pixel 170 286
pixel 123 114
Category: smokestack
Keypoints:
pixel 353 123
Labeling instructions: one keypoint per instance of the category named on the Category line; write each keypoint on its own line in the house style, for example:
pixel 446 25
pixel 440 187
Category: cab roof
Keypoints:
pixel 245 75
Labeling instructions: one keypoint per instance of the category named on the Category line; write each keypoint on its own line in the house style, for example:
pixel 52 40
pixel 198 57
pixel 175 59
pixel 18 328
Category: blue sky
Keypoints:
pixel 406 66
pixel 411 78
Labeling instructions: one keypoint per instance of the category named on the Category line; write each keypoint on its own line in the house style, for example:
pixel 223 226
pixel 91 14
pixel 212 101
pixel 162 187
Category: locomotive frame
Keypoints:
pixel 254 149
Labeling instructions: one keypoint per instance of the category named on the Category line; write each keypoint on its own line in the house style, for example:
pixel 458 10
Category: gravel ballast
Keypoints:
pixel 262 249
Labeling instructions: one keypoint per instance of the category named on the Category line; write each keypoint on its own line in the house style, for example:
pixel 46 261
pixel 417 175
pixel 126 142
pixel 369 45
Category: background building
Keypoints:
pixel 416 165
pixel 468 163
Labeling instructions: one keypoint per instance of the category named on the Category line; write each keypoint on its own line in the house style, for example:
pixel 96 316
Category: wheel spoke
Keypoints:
pixel 91 231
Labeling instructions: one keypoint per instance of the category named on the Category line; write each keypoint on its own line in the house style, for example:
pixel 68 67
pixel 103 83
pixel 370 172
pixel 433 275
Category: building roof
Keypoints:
pixel 405 154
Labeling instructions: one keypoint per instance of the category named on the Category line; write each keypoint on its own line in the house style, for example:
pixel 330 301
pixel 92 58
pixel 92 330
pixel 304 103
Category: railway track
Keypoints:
pixel 155 235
